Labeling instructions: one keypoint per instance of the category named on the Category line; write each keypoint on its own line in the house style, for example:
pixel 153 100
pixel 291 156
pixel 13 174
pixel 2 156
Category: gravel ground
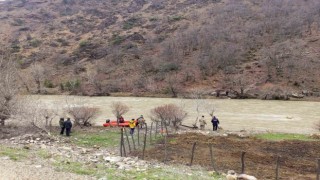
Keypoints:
pixel 10 170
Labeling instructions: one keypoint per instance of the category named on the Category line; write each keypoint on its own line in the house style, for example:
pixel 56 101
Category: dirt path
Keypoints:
pixel 10 170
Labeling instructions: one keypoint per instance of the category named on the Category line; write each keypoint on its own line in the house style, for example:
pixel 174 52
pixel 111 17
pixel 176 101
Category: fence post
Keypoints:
pixel 123 146
pixel 165 149
pixel 318 172
pixel 212 161
pixel 277 167
pixel 155 134
pixel 151 132
pixel 242 162
pixel 121 142
pixel 134 144
pixel 192 153
pixel 138 136
pixel 125 132
pixel 145 141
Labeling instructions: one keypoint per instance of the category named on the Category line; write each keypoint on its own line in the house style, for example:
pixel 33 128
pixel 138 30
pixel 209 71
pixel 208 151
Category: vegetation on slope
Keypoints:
pixel 251 48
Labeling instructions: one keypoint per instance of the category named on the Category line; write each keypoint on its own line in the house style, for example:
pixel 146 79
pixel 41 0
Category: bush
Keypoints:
pixel 48 84
pixel 83 115
pixel 175 18
pixel 172 66
pixel 130 23
pixel 83 44
pixel 117 39
pixel 35 43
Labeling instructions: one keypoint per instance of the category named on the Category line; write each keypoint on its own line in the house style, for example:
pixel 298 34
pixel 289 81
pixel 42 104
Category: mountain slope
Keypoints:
pixel 94 47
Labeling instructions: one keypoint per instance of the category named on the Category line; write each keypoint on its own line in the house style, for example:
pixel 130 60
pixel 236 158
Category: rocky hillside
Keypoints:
pixel 258 48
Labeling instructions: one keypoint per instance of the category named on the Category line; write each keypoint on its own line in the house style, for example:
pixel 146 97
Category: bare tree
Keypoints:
pixel 9 87
pixel 169 114
pixel 210 108
pixel 81 112
pixel 32 111
pixel 38 73
pixel 119 109
pixel 196 95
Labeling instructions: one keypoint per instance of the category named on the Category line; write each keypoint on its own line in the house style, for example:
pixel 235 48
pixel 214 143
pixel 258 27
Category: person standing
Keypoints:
pixel 140 121
pixel 215 123
pixel 203 123
pixel 68 126
pixel 61 123
pixel 132 125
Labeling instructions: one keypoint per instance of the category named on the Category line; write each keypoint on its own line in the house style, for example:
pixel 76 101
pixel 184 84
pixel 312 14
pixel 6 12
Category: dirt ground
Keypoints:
pixel 298 158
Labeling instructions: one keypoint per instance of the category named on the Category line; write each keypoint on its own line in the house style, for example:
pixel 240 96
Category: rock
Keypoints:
pixel 246 177
pixel 83 151
pixel 211 173
pixel 37 139
pixel 113 159
pixel 94 160
pixel 5 158
pixel 231 175
pixel 65 148
pixel 296 95
pixel 225 135
pixel 38 166
pixel 43 146
pixel 104 178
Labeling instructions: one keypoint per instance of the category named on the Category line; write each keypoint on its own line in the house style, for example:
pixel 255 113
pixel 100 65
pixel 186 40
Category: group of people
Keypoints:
pixel 215 123
pixel 65 125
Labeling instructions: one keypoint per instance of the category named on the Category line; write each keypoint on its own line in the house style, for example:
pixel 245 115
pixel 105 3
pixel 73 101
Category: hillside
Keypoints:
pixel 250 48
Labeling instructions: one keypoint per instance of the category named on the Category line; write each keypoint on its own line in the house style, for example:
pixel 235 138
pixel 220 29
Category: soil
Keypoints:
pixel 298 159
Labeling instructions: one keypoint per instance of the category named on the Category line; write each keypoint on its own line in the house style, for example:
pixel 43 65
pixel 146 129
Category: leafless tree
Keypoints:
pixel 81 112
pixel 169 114
pixel 32 111
pixel 38 74
pixel 210 108
pixel 196 95
pixel 119 109
pixel 9 87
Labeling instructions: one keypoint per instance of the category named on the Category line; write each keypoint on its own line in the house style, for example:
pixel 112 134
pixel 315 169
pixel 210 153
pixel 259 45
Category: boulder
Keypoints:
pixel 246 177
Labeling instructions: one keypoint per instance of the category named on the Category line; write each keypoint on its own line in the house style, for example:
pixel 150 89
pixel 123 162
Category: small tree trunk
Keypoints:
pixel 192 153
pixel 125 132
pixel 242 162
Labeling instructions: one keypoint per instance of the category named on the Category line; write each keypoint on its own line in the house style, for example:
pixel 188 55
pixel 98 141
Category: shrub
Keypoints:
pixel 83 44
pixel 172 66
pixel 48 84
pixel 83 115
pixel 35 43
pixel 175 18
pixel 117 39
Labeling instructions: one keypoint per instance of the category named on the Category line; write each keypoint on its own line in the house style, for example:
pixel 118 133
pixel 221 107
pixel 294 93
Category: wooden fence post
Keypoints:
pixel 318 172
pixel 125 132
pixel 121 142
pixel 123 146
pixel 242 162
pixel 211 156
pixel 134 144
pixel 138 136
pixel 155 134
pixel 192 153
pixel 145 141
pixel 277 167
pixel 151 132
pixel 165 149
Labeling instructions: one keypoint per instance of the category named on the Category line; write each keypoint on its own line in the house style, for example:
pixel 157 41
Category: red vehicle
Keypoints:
pixel 115 124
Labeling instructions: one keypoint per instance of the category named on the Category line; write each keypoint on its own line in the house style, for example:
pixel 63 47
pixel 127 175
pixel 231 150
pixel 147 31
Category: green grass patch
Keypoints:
pixel 44 154
pixel 14 153
pixel 284 136
pixel 75 167
pixel 101 138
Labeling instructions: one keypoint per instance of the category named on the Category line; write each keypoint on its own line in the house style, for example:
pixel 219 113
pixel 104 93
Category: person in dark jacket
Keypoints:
pixel 61 123
pixel 215 123
pixel 68 126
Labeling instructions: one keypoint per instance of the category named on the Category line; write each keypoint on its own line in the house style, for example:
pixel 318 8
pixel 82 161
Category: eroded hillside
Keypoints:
pixel 94 47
